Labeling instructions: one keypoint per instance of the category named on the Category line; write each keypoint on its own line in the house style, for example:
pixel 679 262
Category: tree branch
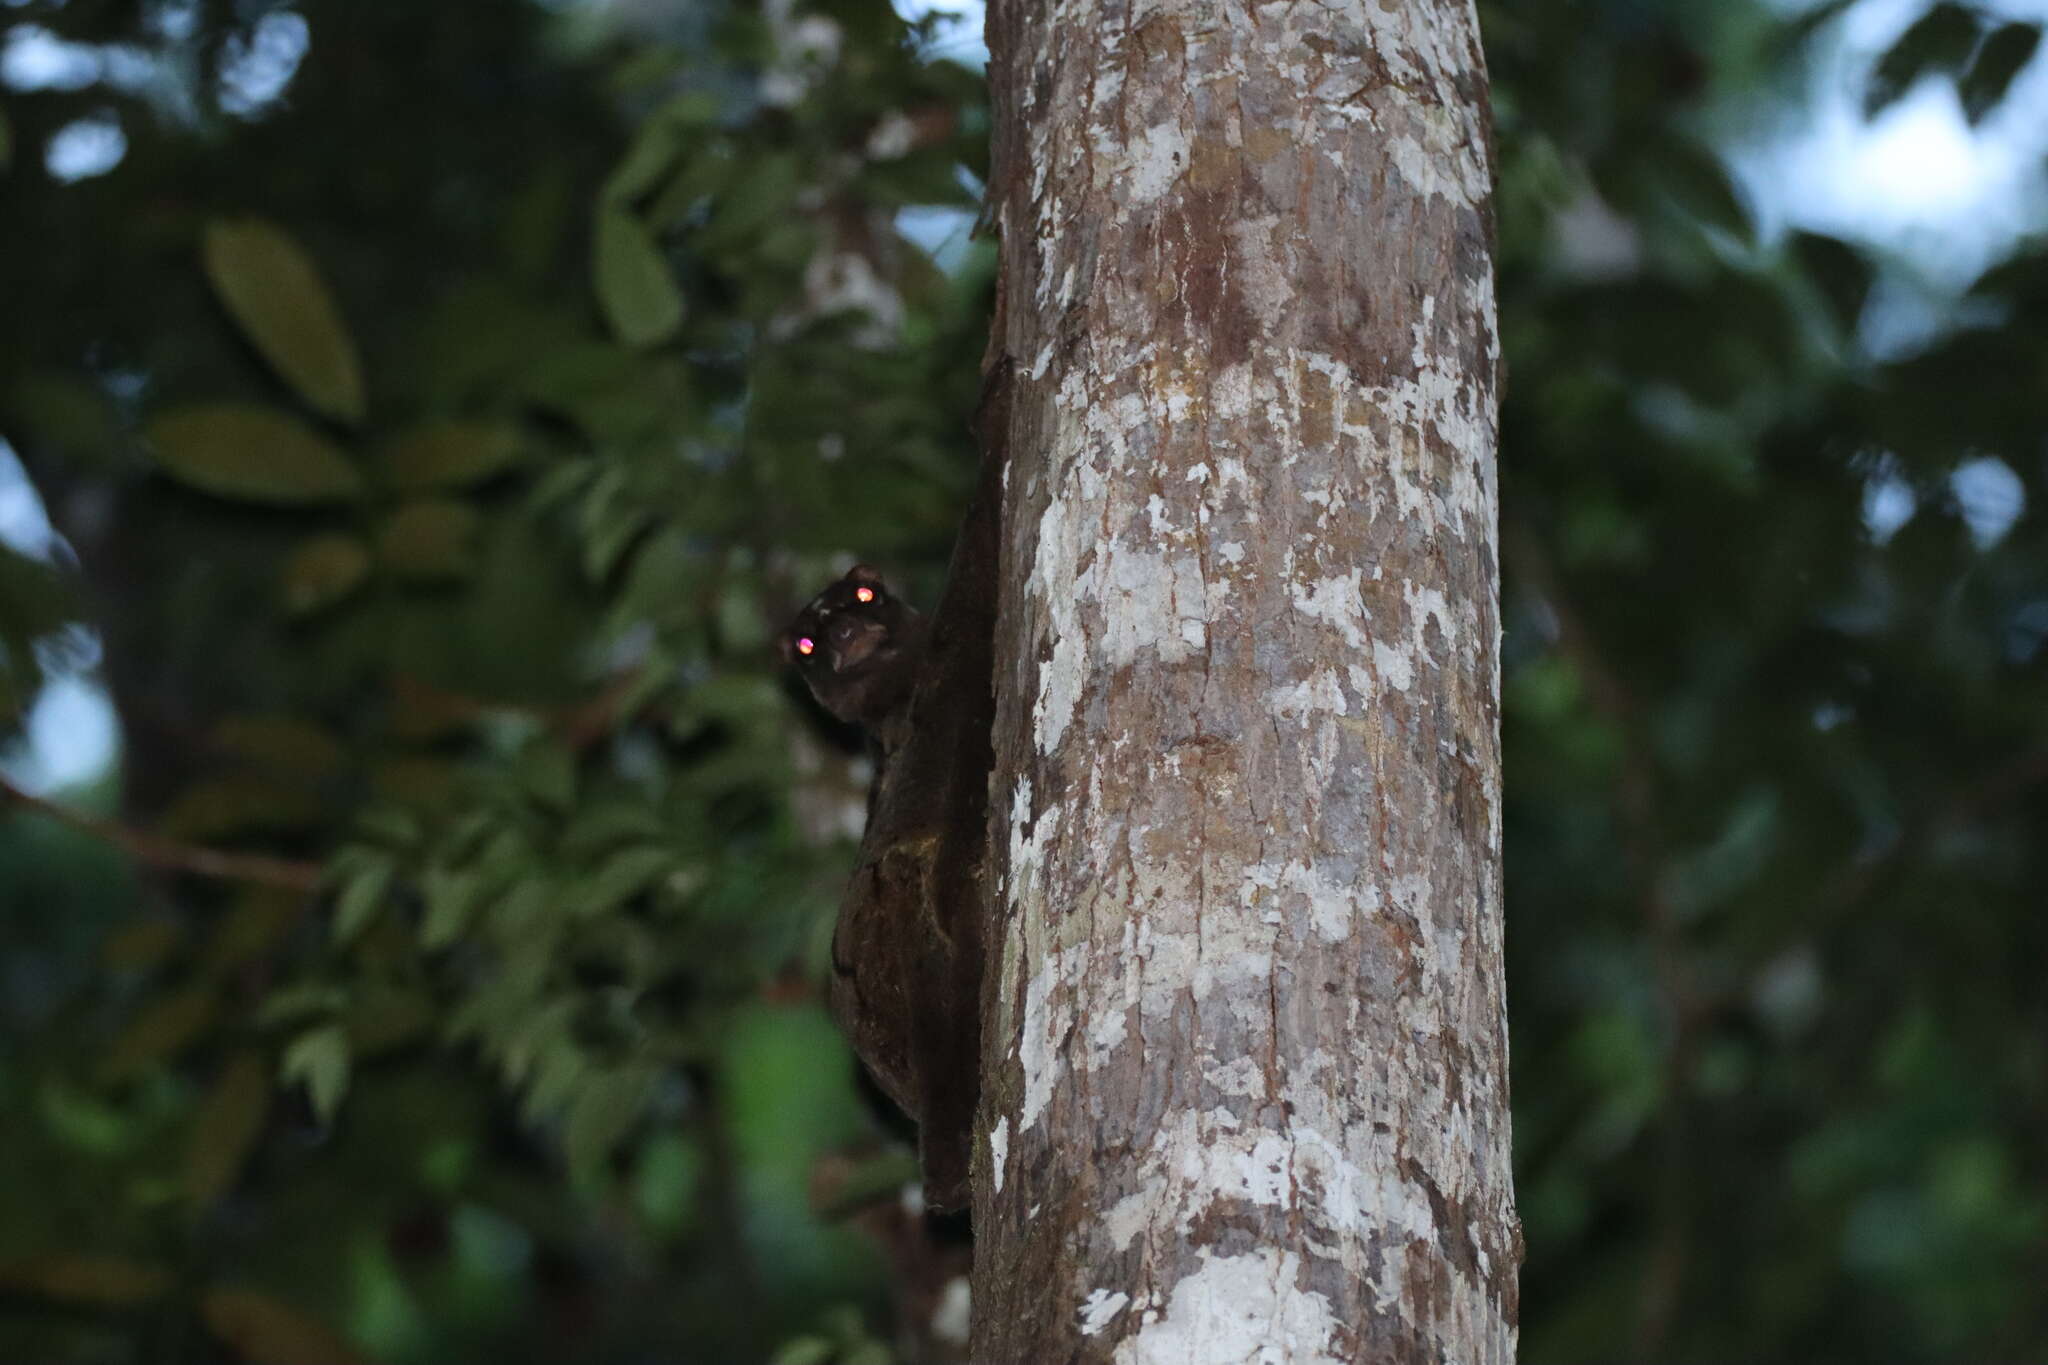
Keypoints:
pixel 157 851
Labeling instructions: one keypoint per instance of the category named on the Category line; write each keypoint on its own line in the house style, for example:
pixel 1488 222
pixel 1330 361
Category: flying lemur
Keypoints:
pixel 907 950
pixel 858 647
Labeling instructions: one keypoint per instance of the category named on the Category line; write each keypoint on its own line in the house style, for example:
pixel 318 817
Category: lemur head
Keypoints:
pixel 855 644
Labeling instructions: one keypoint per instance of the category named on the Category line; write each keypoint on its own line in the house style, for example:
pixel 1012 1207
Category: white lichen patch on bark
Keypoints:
pixel 1158 157
pixel 1099 1308
pixel 1037 1044
pixel 1323 692
pixel 999 1152
pixel 1333 901
pixel 1335 601
pixel 1396 667
pixel 1246 1053
pixel 1237 1308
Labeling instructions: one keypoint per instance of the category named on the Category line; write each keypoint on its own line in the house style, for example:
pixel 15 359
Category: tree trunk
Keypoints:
pixel 1246 1066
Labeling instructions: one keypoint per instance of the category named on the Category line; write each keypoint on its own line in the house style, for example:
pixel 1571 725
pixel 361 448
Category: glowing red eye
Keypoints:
pixel 805 644
pixel 863 594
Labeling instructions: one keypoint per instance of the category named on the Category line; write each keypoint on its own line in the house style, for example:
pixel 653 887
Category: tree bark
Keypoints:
pixel 1245 1074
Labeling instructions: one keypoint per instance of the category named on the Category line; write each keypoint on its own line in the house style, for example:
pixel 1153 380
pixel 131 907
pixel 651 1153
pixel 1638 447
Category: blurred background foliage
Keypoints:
pixel 424 414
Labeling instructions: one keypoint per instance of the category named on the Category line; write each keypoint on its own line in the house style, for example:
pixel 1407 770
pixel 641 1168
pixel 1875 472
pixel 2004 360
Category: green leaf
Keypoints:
pixel 561 483
pixel 1938 43
pixel 758 200
pixel 2009 48
pixel 160 1032
pixel 449 454
pixel 85 1122
pixel 599 386
pixel 803 1351
pixel 391 825
pixel 263 1331
pixel 535 1033
pixel 469 832
pixel 512 917
pixel 600 826
pixel 432 540
pixel 634 287
pixel 349 860
pixel 229 1120
pixel 100 1281
pixel 605 1110
pixel 451 902
pixel 695 111
pixel 553 1069
pixel 362 897
pixel 611 538
pixel 270 286
pixel 253 454
pixel 655 150
pixel 293 1004
pixel 622 876
pixel 507 856
pixel 322 571
pixel 319 1059
pixel 702 179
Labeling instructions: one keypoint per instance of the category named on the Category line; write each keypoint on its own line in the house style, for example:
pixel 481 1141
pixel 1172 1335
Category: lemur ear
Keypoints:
pixel 864 573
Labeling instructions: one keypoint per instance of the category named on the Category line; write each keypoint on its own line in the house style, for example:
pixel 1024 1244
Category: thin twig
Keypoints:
pixel 157 851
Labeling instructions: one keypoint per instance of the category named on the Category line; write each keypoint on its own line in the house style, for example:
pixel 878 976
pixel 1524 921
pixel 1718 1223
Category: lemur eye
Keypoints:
pixel 805 644
pixel 863 594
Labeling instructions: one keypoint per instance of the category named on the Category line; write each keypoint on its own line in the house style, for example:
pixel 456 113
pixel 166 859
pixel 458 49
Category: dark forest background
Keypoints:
pixel 437 406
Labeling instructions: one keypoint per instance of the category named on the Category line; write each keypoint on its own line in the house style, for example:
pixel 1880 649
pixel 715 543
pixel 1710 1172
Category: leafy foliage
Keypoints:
pixel 474 610
pixel 437 464
pixel 1775 768
pixel 266 281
